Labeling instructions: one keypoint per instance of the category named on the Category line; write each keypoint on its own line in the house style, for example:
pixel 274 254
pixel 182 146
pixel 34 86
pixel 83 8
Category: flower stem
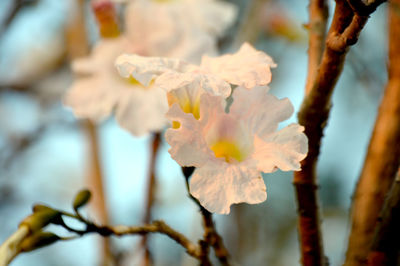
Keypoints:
pixel 155 144
pixel 211 236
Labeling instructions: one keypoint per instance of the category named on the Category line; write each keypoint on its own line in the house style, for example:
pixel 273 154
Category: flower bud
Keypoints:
pixel 40 207
pixel 81 199
pixel 39 219
pixel 38 240
pixel 107 19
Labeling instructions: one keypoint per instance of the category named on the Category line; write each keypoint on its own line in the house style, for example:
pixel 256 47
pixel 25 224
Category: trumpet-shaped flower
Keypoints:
pixel 230 150
pixel 100 90
pixel 178 28
pixel 152 28
pixel 185 82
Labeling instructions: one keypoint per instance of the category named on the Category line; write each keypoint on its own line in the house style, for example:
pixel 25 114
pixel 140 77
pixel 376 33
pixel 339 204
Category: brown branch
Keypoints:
pixel 385 246
pixel 363 9
pixel 155 144
pixel 155 227
pixel 10 249
pixel 382 159
pixel 313 115
pixel 213 238
pixel 318 13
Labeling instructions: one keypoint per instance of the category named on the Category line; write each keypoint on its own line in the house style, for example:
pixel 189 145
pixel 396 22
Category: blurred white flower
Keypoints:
pixel 100 90
pixel 230 150
pixel 185 29
pixel 152 28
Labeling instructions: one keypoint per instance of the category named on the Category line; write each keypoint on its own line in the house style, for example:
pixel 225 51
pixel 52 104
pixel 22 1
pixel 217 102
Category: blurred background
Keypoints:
pixel 44 151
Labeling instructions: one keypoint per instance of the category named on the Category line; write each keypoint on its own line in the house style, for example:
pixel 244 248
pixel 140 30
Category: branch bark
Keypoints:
pixel 318 14
pixel 382 159
pixel 385 246
pixel 313 115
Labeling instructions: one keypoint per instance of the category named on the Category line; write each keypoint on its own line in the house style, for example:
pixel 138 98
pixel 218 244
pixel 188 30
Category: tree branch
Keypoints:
pixel 313 115
pixel 31 234
pixel 382 159
pixel 363 9
pixel 318 14
pixel 385 245
pixel 155 227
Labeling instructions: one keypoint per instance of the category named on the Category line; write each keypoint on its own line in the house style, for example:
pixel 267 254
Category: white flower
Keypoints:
pixel 230 150
pixel 185 29
pixel 100 91
pixel 186 82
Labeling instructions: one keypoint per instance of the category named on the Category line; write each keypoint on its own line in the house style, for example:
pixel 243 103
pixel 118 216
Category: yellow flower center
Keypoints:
pixel 193 108
pixel 227 149
pixel 188 107
pixel 131 80
pixel 134 82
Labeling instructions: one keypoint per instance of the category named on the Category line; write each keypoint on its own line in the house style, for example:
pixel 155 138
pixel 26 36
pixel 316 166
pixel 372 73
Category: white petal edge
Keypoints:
pixel 283 149
pixel 260 110
pixel 145 69
pixel 219 185
pixel 142 111
pixel 188 147
pixel 173 80
pixel 247 68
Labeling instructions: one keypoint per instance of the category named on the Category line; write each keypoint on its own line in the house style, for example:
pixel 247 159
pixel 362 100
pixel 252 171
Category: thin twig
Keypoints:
pixel 155 227
pixel 385 246
pixel 382 159
pixel 313 115
pixel 211 236
pixel 155 144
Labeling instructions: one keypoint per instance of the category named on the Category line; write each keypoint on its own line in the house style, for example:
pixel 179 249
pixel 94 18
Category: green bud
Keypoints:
pixel 38 240
pixel 40 207
pixel 81 199
pixel 39 219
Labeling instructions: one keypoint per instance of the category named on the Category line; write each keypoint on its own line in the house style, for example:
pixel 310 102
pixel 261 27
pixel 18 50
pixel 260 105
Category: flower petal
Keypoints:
pixel 142 110
pixel 247 68
pixel 172 80
pixel 261 111
pixel 91 98
pixel 188 147
pixel 219 185
pixel 283 149
pixel 145 69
